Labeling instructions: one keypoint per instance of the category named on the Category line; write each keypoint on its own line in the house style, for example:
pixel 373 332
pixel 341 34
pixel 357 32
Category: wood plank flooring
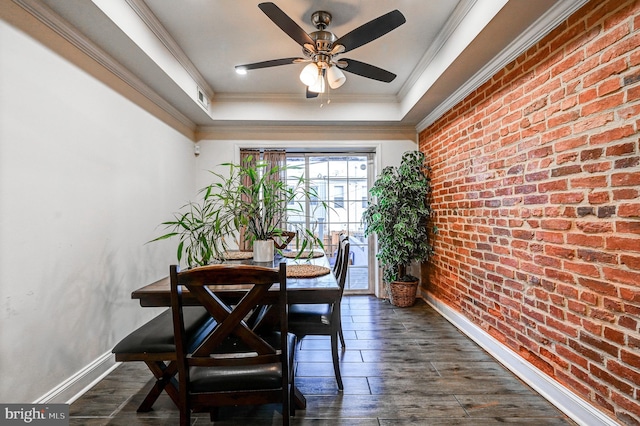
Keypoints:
pixel 402 366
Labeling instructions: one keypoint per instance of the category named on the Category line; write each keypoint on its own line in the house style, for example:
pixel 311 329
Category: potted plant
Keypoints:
pixel 263 206
pixel 255 201
pixel 399 216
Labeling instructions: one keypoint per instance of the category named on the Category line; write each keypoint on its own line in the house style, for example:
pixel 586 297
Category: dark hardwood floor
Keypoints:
pixel 402 366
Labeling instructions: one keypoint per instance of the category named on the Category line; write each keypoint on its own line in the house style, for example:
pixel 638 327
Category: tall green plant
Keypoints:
pixel 254 197
pixel 399 215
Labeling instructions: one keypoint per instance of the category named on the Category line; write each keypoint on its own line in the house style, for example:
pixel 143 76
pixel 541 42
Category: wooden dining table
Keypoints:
pixel 318 289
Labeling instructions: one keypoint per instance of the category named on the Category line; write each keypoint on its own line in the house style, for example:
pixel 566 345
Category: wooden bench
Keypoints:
pixel 153 344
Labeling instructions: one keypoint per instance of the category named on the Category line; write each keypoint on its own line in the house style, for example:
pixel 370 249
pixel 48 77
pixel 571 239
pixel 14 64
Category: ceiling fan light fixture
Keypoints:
pixel 320 48
pixel 309 74
pixel 335 77
pixel 337 49
pixel 318 86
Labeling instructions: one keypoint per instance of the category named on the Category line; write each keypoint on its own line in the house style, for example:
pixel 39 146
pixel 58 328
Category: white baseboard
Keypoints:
pixel 566 401
pixel 75 386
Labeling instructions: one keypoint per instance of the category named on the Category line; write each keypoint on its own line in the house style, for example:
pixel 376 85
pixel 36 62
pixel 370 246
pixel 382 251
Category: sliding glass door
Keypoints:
pixel 342 182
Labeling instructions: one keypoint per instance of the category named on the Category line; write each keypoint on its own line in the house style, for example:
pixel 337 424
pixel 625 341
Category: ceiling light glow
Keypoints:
pixel 309 74
pixel 335 77
pixel 318 86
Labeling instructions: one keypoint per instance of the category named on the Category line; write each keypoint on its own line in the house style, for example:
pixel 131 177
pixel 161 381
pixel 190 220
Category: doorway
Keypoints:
pixel 341 181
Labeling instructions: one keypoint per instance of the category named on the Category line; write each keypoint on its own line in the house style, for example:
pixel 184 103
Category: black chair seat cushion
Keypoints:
pixel 226 378
pixel 156 336
pixel 317 313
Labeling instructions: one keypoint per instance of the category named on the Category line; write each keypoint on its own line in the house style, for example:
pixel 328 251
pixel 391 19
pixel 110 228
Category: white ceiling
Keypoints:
pixel 171 49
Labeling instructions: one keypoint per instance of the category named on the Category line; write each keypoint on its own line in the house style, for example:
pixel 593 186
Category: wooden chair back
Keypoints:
pixel 234 364
pixel 342 262
pixel 338 263
pixel 325 319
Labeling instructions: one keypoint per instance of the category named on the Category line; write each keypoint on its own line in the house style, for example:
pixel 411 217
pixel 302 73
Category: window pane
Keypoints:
pixel 341 183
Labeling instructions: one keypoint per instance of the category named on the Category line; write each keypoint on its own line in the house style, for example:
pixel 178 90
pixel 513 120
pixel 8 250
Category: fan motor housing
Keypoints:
pixel 324 40
pixel 321 19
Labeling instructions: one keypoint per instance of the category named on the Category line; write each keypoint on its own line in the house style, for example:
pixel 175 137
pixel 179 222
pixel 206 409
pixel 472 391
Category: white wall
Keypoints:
pixel 85 177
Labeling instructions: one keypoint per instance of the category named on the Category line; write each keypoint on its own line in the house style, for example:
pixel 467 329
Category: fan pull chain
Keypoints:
pixel 325 94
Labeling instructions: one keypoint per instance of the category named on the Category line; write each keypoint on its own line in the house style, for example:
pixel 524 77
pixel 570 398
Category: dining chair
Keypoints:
pixel 340 271
pixel 234 364
pixel 336 264
pixel 324 319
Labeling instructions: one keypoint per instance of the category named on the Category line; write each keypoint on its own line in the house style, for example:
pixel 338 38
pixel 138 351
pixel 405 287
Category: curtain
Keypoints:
pixel 276 158
pixel 249 158
pixel 273 158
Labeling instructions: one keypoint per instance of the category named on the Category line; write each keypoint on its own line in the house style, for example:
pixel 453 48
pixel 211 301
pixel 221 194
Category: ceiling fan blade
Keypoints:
pixel 271 63
pixel 371 30
pixel 286 24
pixel 367 70
pixel 311 94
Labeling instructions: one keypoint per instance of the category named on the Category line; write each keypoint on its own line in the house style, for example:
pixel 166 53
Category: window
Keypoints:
pixel 341 181
pixel 314 199
pixel 338 198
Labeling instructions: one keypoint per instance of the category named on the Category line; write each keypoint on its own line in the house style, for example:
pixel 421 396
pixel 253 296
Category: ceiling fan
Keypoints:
pixel 320 49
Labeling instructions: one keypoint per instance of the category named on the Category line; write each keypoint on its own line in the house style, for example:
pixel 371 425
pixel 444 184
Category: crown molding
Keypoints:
pixel 151 21
pixel 547 22
pixel 296 98
pixel 459 13
pixel 306 132
pixel 49 18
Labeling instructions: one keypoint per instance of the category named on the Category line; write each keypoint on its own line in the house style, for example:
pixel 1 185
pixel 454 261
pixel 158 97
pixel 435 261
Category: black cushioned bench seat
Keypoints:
pixel 153 344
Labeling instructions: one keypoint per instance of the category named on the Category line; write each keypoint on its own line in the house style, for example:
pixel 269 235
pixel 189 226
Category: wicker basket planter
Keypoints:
pixel 403 293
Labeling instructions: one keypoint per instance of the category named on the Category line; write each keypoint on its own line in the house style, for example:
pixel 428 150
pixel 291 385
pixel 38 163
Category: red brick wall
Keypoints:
pixel 536 179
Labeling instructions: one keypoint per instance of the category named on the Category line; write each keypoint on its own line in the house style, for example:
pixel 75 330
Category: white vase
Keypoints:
pixel 263 251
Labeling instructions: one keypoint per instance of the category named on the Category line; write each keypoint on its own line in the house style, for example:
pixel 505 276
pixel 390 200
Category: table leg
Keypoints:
pixel 165 380
pixel 299 400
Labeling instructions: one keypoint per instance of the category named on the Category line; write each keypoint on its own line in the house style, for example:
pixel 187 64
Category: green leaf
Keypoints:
pixel 180 246
pixel 399 213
